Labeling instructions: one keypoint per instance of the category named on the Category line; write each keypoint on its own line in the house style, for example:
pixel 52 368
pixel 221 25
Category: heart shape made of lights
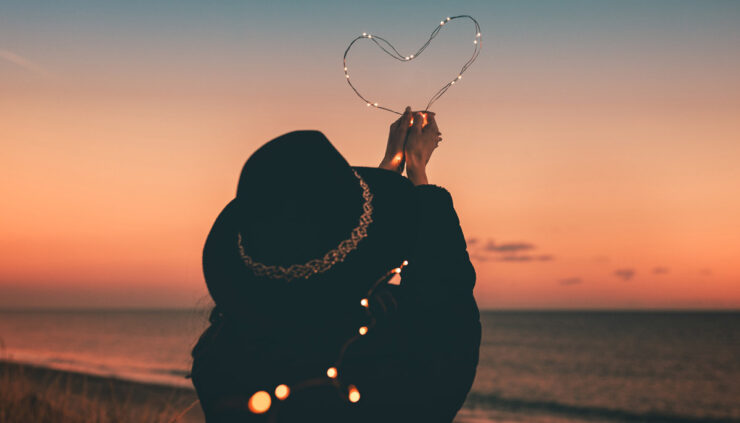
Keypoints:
pixel 391 51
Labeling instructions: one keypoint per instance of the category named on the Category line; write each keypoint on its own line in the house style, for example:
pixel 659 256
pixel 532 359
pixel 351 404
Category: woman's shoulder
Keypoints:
pixel 429 193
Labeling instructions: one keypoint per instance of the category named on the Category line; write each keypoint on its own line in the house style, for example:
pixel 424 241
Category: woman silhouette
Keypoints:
pixel 289 263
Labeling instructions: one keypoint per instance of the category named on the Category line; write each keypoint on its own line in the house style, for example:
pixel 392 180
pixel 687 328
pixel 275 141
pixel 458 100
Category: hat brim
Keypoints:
pixel 238 291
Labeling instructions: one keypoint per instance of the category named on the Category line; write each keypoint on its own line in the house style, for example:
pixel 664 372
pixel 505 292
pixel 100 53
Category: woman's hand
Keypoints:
pixel 420 144
pixel 394 153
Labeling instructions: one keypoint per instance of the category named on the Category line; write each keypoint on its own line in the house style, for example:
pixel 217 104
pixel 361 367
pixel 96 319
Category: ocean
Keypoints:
pixel 540 367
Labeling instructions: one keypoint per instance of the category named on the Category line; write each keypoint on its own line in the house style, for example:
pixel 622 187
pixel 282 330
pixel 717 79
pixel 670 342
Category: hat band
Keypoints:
pixel 318 265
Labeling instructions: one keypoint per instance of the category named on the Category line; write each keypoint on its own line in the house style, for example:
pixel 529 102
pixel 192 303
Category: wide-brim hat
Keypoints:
pixel 306 232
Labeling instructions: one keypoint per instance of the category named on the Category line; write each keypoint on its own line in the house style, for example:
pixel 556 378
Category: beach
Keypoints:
pixel 31 393
pixel 535 367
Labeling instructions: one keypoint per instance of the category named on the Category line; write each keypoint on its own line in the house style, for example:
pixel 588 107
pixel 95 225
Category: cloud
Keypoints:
pixel 24 63
pixel 516 257
pixel 625 274
pixel 570 281
pixel 508 252
pixel 512 247
pixel 660 270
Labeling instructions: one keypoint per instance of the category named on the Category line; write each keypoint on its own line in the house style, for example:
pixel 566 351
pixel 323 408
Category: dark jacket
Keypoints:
pixel 417 364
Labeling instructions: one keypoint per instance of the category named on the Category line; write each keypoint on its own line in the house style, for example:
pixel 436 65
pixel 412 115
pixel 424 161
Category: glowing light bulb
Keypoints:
pixel 407 57
pixel 364 34
pixel 354 394
pixel 375 104
pixel 347 75
pixel 282 392
pixel 397 270
pixel 405 263
pixel 459 76
pixel 412 56
pixel 364 302
pixel 259 402
pixel 345 68
pixel 369 36
pixel 448 18
pixel 363 330
pixel 368 104
pixel 331 372
pixel 423 123
pixel 475 41
pixel 452 83
pixel 477 35
pixel 442 22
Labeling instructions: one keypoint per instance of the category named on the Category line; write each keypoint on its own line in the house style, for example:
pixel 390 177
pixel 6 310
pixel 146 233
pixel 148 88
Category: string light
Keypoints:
pixel 282 392
pixel 259 402
pixel 389 49
pixel 354 394
pixel 331 372
pixel 423 121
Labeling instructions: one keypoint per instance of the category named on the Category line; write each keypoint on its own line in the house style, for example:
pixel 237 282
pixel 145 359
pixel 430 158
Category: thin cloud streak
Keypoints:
pixel 511 247
pixel 24 63
pixel 570 281
pixel 542 257
pixel 505 252
pixel 625 274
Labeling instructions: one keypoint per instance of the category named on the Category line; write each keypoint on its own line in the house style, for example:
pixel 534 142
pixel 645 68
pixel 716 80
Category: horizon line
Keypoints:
pixel 482 310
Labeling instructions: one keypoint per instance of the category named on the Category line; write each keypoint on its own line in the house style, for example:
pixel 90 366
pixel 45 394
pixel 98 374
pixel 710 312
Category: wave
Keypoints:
pixel 585 412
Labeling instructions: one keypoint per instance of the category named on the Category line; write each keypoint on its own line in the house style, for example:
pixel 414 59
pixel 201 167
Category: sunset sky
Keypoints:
pixel 592 150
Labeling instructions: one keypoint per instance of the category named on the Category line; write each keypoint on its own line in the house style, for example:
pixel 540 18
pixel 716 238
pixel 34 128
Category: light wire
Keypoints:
pixel 393 52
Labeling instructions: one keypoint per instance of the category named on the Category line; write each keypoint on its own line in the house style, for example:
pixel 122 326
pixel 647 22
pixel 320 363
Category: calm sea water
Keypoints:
pixel 535 366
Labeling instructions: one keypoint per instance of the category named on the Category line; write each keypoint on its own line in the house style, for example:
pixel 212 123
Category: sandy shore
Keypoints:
pixel 31 393
pixel 27 388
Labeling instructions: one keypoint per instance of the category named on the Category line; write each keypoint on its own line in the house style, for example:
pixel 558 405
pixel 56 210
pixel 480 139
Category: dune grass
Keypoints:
pixel 29 394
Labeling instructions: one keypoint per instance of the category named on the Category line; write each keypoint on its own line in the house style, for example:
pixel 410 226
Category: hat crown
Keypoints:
pixel 298 198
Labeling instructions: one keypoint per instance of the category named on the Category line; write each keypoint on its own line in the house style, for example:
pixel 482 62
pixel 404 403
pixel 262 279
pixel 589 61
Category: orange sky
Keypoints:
pixel 611 153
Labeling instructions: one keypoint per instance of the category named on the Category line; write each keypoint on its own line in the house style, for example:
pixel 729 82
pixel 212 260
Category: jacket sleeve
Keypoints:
pixel 440 315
